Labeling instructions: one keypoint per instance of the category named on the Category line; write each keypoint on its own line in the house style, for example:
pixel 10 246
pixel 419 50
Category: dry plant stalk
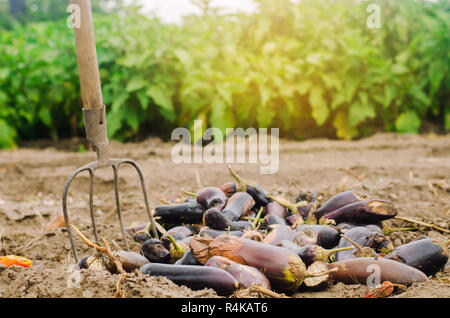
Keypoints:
pixel 120 293
pixel 429 225
pixel 257 291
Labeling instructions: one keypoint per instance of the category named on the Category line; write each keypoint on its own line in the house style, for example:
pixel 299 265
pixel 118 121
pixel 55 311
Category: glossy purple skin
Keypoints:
pixel 216 220
pixel 212 197
pixel 336 202
pixel 274 219
pixel 245 275
pixel 422 254
pixel 364 212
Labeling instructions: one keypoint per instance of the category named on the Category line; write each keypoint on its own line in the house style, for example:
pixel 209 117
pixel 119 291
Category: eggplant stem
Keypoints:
pixel 328 253
pixel 290 206
pixel 258 218
pixel 175 244
pixel 388 230
pixel 163 201
pixel 86 240
pixel 242 183
pixel 192 194
pixel 119 293
pixel 422 223
pixel 359 247
pixel 333 270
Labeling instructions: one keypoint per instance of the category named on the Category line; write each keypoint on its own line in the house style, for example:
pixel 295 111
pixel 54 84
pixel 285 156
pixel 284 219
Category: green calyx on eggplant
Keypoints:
pixel 258 194
pixel 364 212
pixel 190 212
pixel 245 275
pixel 428 255
pixel 195 277
pixel 210 197
pixel 215 219
pixel 301 208
pixel 312 253
pixel 154 250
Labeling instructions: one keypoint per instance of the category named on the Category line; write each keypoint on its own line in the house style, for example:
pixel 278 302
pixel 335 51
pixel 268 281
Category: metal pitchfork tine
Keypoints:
pixel 94 115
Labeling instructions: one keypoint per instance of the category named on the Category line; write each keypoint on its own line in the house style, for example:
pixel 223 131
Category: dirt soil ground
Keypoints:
pixel 412 171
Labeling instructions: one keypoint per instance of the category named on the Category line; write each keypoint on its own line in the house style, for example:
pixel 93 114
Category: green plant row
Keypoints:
pixel 311 69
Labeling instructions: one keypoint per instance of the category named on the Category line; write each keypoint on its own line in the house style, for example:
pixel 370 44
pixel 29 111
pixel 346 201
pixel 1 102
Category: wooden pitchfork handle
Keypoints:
pixel 91 90
pixel 94 112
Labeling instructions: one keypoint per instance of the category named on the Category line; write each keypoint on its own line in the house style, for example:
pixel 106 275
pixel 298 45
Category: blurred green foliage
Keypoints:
pixel 312 69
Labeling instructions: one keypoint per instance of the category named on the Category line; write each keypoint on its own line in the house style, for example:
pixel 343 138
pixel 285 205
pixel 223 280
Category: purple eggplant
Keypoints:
pixel 272 219
pixel 426 254
pixel 190 212
pixel 364 212
pixel 360 270
pixel 327 236
pixel 210 197
pixel 238 206
pixel 338 201
pixel 311 253
pixel 301 208
pixel 258 194
pixel 274 208
pixel 245 275
pixel 215 219
pixel 279 233
pixel 212 233
pixel 188 259
pixel 195 277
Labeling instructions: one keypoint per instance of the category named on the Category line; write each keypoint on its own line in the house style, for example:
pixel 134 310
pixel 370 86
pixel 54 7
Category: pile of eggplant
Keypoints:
pixel 237 235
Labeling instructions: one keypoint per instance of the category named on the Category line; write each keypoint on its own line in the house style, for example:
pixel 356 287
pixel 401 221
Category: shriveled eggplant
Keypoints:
pixel 154 250
pixel 338 201
pixel 428 255
pixel 245 275
pixel 363 212
pixel 360 270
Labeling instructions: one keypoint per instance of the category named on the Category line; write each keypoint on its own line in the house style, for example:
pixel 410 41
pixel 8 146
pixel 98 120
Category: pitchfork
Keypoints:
pixel 95 121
